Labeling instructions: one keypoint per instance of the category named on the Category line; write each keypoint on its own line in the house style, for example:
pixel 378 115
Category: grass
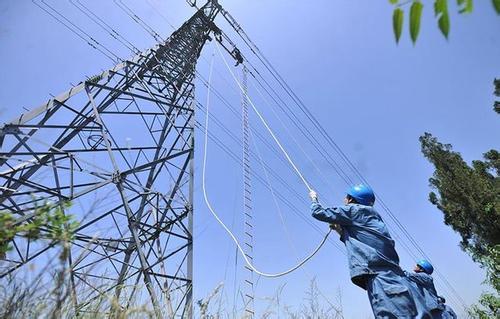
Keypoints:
pixel 41 298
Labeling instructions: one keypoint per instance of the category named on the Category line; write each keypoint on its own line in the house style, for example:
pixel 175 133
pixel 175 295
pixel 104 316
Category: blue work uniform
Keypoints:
pixel 423 285
pixel 448 313
pixel 372 257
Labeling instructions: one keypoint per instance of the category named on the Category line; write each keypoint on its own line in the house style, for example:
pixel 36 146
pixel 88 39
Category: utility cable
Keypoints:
pixel 128 11
pixel 265 123
pixel 282 217
pixel 259 178
pixel 105 26
pixel 256 51
pixel 313 142
pixel 294 139
pixel 235 158
pixel 78 32
pixel 263 120
pixel 158 11
pixel 172 26
pixel 269 275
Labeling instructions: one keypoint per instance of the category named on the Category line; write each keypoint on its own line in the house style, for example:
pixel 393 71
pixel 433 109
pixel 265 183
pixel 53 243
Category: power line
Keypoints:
pixel 77 31
pixel 256 51
pixel 133 14
pixel 261 180
pixel 105 26
pixel 245 257
pixel 128 11
pixel 299 173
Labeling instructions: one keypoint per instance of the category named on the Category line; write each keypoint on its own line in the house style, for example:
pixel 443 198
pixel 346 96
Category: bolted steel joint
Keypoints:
pixel 117 177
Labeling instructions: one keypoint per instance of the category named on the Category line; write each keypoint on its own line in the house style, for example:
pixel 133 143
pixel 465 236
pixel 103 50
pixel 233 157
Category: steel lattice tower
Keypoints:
pixel 119 146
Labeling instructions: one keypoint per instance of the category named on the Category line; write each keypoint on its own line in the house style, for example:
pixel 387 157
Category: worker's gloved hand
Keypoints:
pixel 313 195
pixel 337 228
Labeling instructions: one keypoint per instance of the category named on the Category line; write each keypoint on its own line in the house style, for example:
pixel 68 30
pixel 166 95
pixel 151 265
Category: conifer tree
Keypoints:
pixel 469 198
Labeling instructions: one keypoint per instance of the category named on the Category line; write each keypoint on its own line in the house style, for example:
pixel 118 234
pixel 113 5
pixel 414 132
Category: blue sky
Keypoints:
pixel 374 97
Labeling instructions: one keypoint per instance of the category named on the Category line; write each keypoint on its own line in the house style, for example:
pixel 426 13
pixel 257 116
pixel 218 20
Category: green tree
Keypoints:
pixel 441 13
pixel 496 105
pixel 469 198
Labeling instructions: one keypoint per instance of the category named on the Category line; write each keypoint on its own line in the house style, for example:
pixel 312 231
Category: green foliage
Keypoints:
pixel 465 6
pixel 496 105
pixel 440 10
pixel 469 197
pixel 488 307
pixel 6 232
pixel 415 16
pixel 491 262
pixel 489 303
pixel 496 5
pixel 397 21
pixel 49 222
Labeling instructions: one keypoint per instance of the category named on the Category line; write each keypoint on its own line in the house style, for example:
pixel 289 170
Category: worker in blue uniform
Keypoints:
pixel 448 312
pixel 423 285
pixel 372 257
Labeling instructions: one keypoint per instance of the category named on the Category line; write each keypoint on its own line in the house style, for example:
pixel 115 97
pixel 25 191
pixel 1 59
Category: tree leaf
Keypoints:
pixel 496 5
pixel 441 11
pixel 439 7
pixel 393 1
pixel 469 6
pixel 444 23
pixel 415 17
pixel 397 23
pixel 466 6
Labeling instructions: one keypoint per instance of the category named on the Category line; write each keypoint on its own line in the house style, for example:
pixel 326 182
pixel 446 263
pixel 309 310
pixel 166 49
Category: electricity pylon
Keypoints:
pixel 119 147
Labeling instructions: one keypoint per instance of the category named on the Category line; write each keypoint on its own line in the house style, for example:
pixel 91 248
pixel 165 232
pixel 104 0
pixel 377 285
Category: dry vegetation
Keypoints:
pixel 39 298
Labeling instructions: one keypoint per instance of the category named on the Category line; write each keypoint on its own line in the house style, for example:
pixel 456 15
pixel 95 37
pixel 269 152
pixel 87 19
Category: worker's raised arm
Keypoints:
pixel 333 215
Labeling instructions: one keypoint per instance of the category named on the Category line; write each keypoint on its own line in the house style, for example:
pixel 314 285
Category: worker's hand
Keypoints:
pixel 313 195
pixel 337 228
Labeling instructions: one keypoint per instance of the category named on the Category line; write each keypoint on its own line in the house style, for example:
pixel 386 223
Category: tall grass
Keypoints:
pixel 276 306
pixel 39 298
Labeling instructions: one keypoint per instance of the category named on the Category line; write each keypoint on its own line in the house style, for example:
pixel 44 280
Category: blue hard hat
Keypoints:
pixel 426 266
pixel 362 194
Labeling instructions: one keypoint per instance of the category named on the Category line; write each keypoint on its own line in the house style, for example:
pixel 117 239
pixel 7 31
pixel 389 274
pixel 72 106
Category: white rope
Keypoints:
pixel 264 121
pixel 283 223
pixel 207 201
pixel 294 139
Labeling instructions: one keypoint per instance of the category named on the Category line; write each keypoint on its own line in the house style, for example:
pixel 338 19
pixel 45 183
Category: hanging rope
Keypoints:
pixel 264 121
pixel 207 201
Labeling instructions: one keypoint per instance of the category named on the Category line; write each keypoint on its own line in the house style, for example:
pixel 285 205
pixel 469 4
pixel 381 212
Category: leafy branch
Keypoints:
pixel 49 218
pixel 441 13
